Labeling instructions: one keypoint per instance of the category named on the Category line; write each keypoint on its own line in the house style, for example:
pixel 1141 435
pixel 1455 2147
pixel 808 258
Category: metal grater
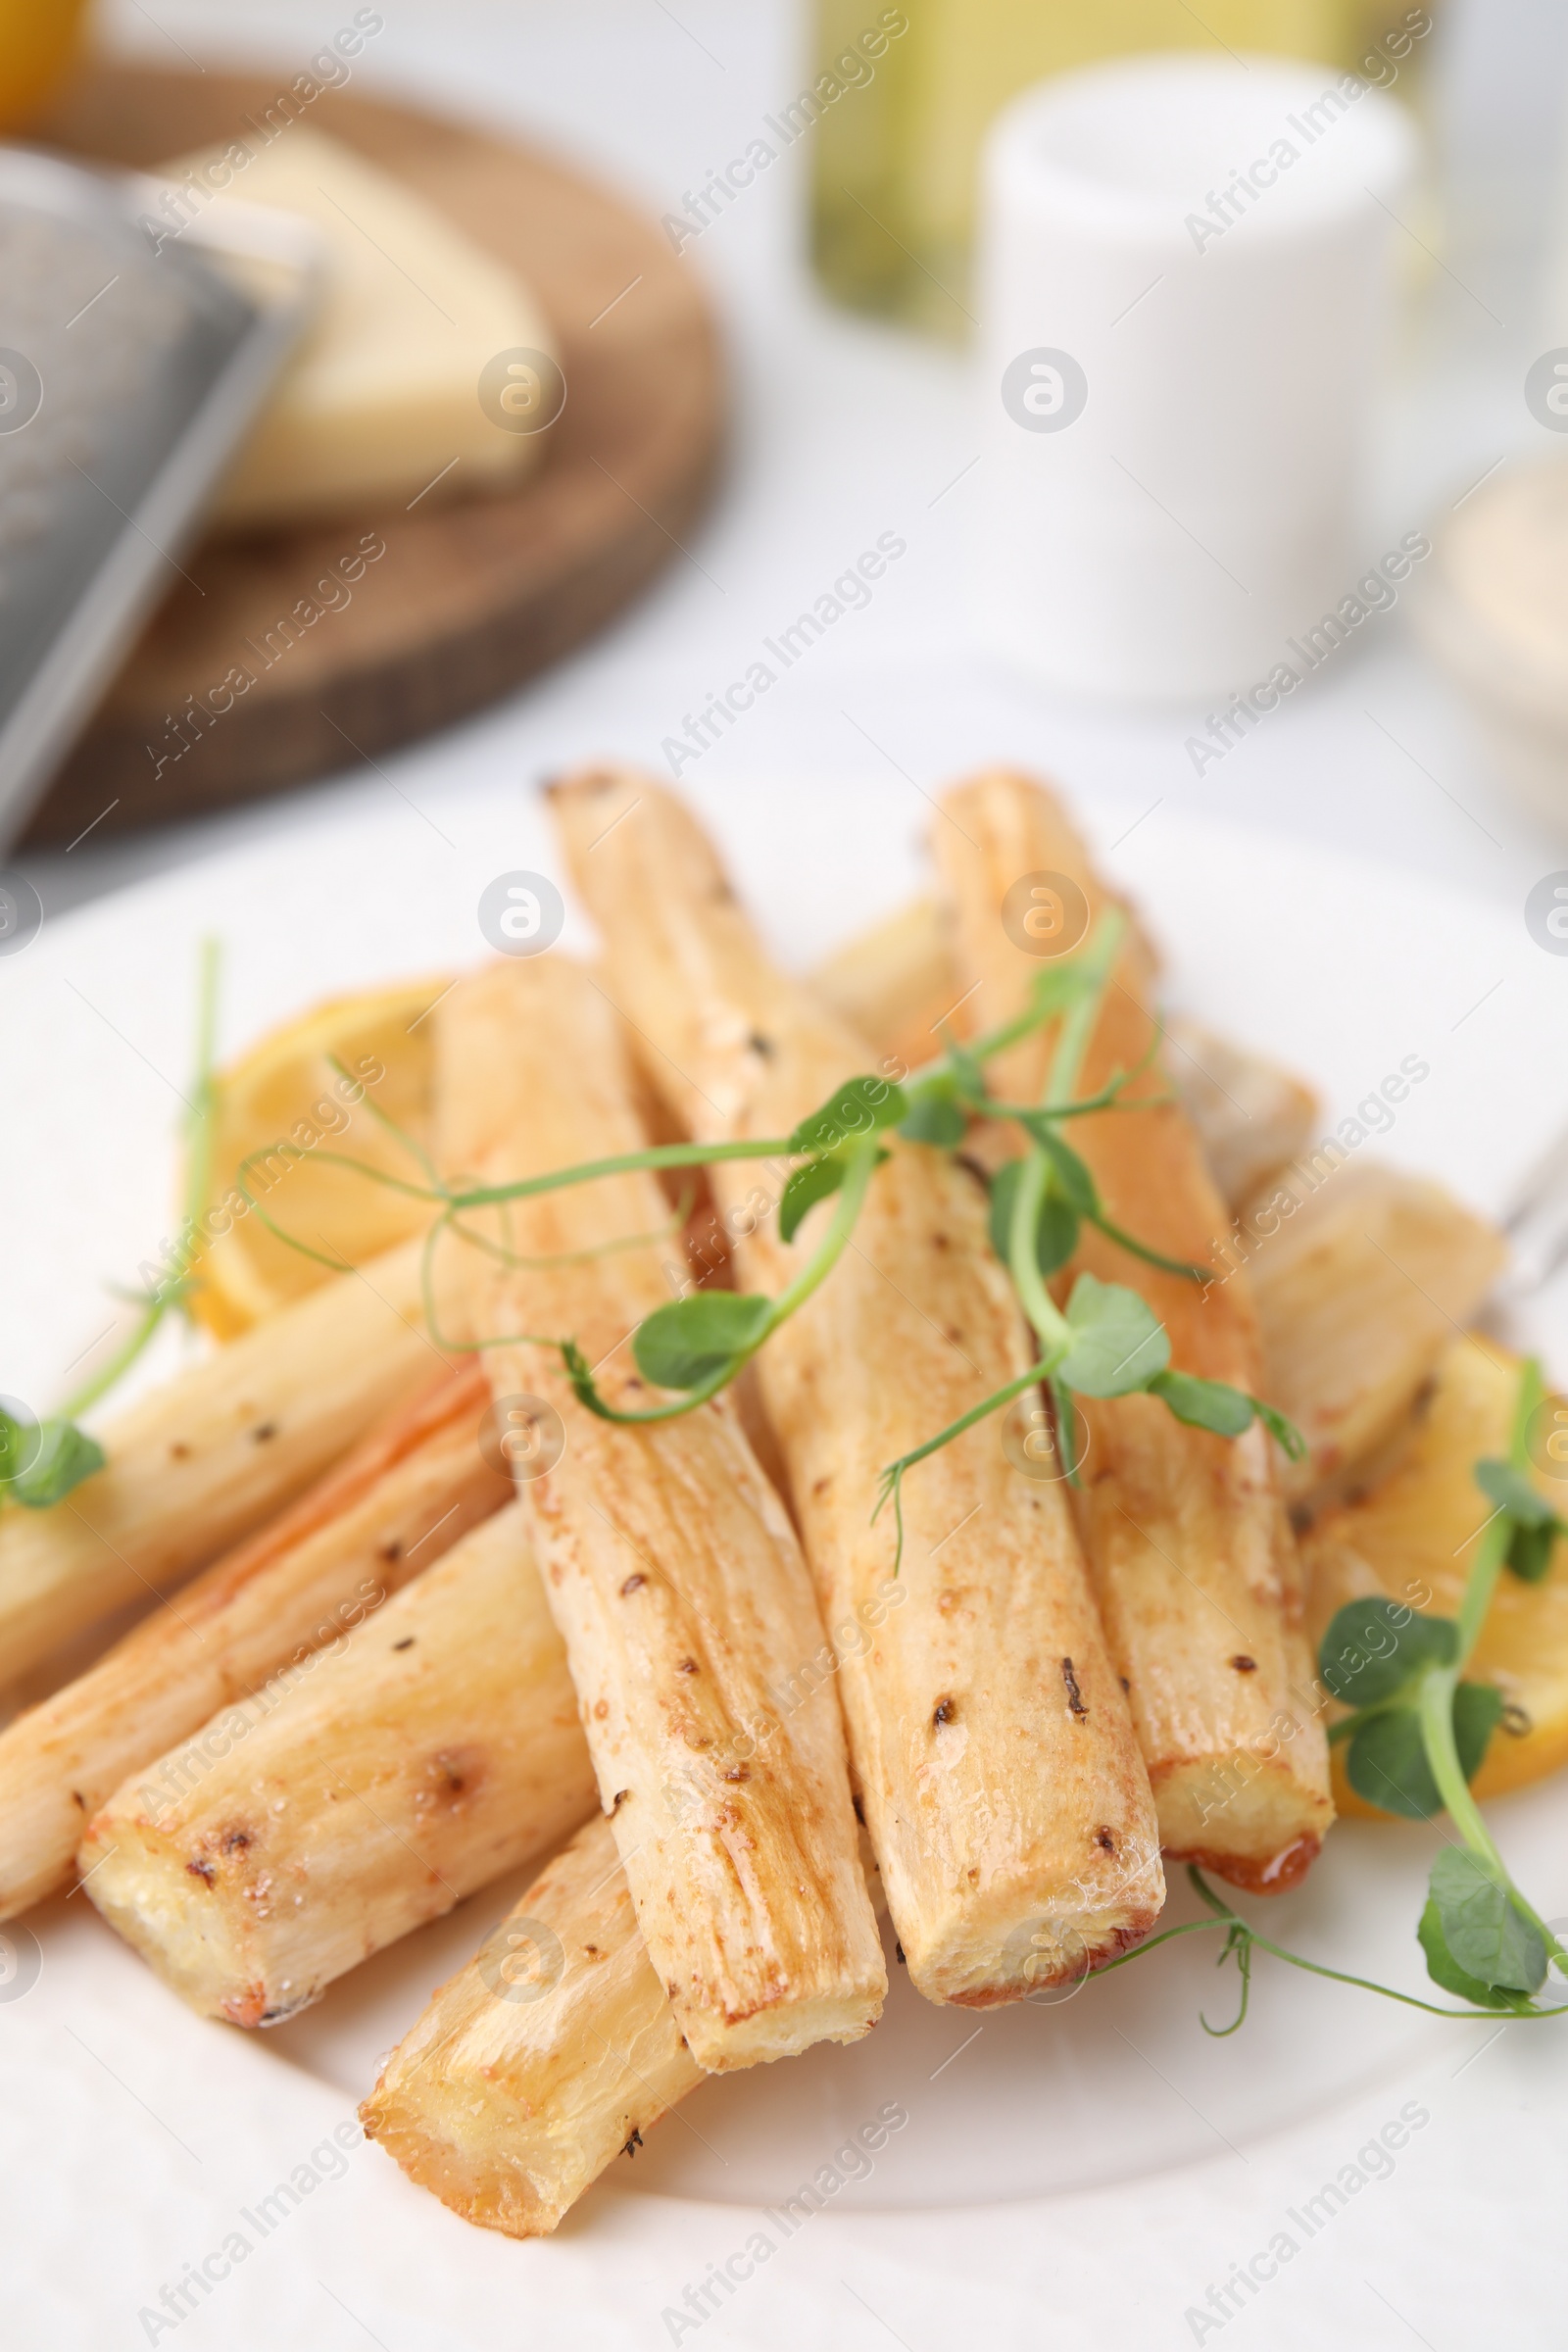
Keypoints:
pixel 130 367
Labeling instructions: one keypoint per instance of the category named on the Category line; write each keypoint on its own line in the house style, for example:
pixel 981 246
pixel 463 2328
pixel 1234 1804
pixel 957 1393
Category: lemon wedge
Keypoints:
pixel 307 1092
pixel 1412 1535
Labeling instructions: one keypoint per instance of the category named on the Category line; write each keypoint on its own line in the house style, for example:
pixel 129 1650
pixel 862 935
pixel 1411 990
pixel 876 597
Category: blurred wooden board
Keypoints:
pixel 470 598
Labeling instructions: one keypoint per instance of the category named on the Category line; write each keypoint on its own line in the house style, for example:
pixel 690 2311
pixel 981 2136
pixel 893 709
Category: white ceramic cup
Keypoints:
pixel 1185 283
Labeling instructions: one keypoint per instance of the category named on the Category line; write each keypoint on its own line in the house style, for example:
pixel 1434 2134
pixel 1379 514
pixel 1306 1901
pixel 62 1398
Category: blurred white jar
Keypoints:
pixel 1185 287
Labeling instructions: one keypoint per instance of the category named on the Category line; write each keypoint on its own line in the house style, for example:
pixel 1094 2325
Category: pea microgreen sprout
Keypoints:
pixel 1418 1733
pixel 1106 1341
pixel 42 1461
pixel 1242 1939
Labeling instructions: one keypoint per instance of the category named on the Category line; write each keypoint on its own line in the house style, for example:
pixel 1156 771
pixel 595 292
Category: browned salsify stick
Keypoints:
pixel 360 1794
pixel 385 1513
pixel 544 2058
pixel 1002 1788
pixel 669 1562
pixel 1187 1532
pixel 200 1463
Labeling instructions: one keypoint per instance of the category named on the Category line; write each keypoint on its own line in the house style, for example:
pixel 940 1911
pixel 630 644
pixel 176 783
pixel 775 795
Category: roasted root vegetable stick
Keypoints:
pixel 897 985
pixel 1250 1115
pixel 361 1795
pixel 1361 1283
pixel 1003 1793
pixel 200 1463
pixel 669 1562
pixel 387 1512
pixel 552 2051
pixel 1187 1532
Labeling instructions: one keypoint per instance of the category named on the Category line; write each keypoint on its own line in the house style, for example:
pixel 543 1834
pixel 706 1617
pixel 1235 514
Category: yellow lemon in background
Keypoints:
pixel 307 1092
pixel 38 44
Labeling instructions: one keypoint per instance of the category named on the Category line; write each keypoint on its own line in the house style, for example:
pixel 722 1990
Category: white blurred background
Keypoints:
pixel 845 429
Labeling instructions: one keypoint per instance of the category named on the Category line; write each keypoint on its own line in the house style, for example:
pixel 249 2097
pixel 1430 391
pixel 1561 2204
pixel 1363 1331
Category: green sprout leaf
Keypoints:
pixel 1445 1969
pixel 1282 1429
pixel 862 1107
pixel 1511 1491
pixel 1484 1931
pixel 936 1115
pixel 1535 1524
pixel 1375 1650
pixel 809 1184
pixel 1204 1404
pixel 40 1462
pixel 17 1442
pixel 1069 1175
pixel 1119 1343
pixel 1530 1552
pixel 968 1074
pixel 683 1344
pixel 1059 987
pixel 1055 1231
pixel 1388 1762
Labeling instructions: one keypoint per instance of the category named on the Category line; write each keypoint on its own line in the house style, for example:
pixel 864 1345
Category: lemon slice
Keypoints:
pixel 1412 1537
pixel 284 1110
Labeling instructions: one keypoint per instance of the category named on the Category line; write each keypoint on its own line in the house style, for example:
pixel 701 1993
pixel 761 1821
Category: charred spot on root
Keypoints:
pixel 860 1810
pixel 407 1642
pixel 619 1799
pixel 201 1869
pixel 79 1800
pixel 235 1841
pixel 945 1710
pixel 1125 1684
pixel 1104 1840
pixel 687 1666
pixel 634 2143
pixel 455 1771
pixel 1075 1699
pixel 632 1584
pixel 1244 1664
pixel 762 1044
pixel 392 1551
pixel 263 1431
pixel 898 1950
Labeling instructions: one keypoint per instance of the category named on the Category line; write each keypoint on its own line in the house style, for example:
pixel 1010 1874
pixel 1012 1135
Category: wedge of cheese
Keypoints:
pixel 389 389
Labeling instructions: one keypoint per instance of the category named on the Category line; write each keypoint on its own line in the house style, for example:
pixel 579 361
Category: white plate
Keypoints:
pixel 1083 2170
